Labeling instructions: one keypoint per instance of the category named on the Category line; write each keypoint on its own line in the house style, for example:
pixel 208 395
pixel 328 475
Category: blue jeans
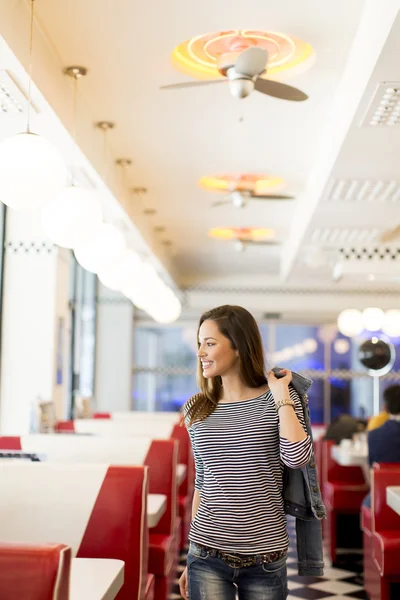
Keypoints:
pixel 209 578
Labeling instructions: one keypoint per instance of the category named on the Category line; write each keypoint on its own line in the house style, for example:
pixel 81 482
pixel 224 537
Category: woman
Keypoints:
pixel 243 427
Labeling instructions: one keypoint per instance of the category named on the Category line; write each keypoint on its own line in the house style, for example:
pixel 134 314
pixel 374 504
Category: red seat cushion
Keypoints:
pixel 344 497
pixel 161 553
pixel 386 549
pixel 150 585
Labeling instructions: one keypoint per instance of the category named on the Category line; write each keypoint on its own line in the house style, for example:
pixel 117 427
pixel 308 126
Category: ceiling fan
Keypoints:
pixel 239 199
pixel 244 76
pixel 241 245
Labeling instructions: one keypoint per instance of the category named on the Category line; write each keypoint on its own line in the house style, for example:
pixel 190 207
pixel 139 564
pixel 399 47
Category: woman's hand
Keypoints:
pixel 279 386
pixel 183 585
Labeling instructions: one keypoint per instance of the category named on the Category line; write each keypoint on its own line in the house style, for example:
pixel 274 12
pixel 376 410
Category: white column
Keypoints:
pixel 114 346
pixel 35 323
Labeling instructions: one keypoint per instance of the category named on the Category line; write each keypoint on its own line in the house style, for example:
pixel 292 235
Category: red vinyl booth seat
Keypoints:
pixel 64 427
pixel 149 595
pixel 34 572
pixel 117 525
pixel 163 539
pixel 186 488
pixel 343 491
pixel 385 523
pixel 369 565
pixel 381 535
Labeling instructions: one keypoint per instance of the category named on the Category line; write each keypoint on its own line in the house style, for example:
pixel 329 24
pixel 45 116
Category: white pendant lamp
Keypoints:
pixel 122 272
pixel 391 323
pixel 32 170
pixel 107 245
pixel 350 322
pixel 373 318
pixel 73 218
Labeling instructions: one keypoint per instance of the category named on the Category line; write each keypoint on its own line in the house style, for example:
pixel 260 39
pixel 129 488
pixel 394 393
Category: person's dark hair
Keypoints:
pixel 240 327
pixel 391 397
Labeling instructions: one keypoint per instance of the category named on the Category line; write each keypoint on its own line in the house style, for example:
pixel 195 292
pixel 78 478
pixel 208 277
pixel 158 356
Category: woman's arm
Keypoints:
pixel 290 427
pixel 295 443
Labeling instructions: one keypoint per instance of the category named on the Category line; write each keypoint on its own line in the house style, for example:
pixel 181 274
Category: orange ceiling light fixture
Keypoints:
pixel 243 234
pixel 255 183
pixel 207 56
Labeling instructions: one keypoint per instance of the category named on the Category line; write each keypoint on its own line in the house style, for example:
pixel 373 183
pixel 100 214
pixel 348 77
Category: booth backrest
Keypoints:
pixel 64 427
pixel 34 572
pixel 335 473
pixel 9 442
pixel 146 427
pixel 100 511
pixel 185 457
pixel 383 517
pixel 161 456
pixel 138 428
pixel 109 427
pixel 162 480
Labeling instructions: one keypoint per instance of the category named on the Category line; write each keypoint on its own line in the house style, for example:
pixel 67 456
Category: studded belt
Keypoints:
pixel 238 561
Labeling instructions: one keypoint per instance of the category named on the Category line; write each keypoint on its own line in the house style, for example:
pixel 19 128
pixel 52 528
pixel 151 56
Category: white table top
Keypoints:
pixel 156 507
pixel 349 456
pixel 96 578
pixel 393 498
pixel 181 473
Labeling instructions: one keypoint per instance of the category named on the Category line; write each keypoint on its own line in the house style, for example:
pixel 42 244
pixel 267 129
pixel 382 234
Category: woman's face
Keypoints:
pixel 215 351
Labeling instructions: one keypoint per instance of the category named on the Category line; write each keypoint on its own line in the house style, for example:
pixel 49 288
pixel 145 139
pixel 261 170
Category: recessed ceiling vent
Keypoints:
pixel 365 191
pixel 384 109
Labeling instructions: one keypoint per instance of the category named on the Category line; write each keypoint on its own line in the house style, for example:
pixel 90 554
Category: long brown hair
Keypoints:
pixel 240 327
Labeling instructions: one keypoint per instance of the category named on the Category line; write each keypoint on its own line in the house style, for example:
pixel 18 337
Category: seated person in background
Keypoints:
pixel 380 419
pixel 343 428
pixel 384 442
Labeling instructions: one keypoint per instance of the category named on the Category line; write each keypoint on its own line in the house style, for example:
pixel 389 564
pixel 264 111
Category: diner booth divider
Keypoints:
pixel 143 425
pixel 160 456
pixel 381 535
pixel 343 491
pixel 98 510
pixel 34 571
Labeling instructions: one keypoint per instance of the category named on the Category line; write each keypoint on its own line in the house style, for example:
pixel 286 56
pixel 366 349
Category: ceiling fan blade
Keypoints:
pixel 187 84
pixel 271 197
pixel 279 90
pixel 221 202
pixel 251 62
pixel 390 235
pixel 266 243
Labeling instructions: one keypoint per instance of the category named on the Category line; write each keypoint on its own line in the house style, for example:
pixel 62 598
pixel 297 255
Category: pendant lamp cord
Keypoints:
pixel 30 69
pixel 75 161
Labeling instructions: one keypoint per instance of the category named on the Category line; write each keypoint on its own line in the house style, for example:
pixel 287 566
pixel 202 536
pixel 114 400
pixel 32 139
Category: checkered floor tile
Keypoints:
pixel 336 584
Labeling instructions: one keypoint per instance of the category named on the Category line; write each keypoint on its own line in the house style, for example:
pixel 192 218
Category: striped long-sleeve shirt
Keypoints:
pixel 239 458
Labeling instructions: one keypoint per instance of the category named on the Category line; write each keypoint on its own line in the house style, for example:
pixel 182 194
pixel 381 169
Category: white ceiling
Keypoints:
pixel 175 137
